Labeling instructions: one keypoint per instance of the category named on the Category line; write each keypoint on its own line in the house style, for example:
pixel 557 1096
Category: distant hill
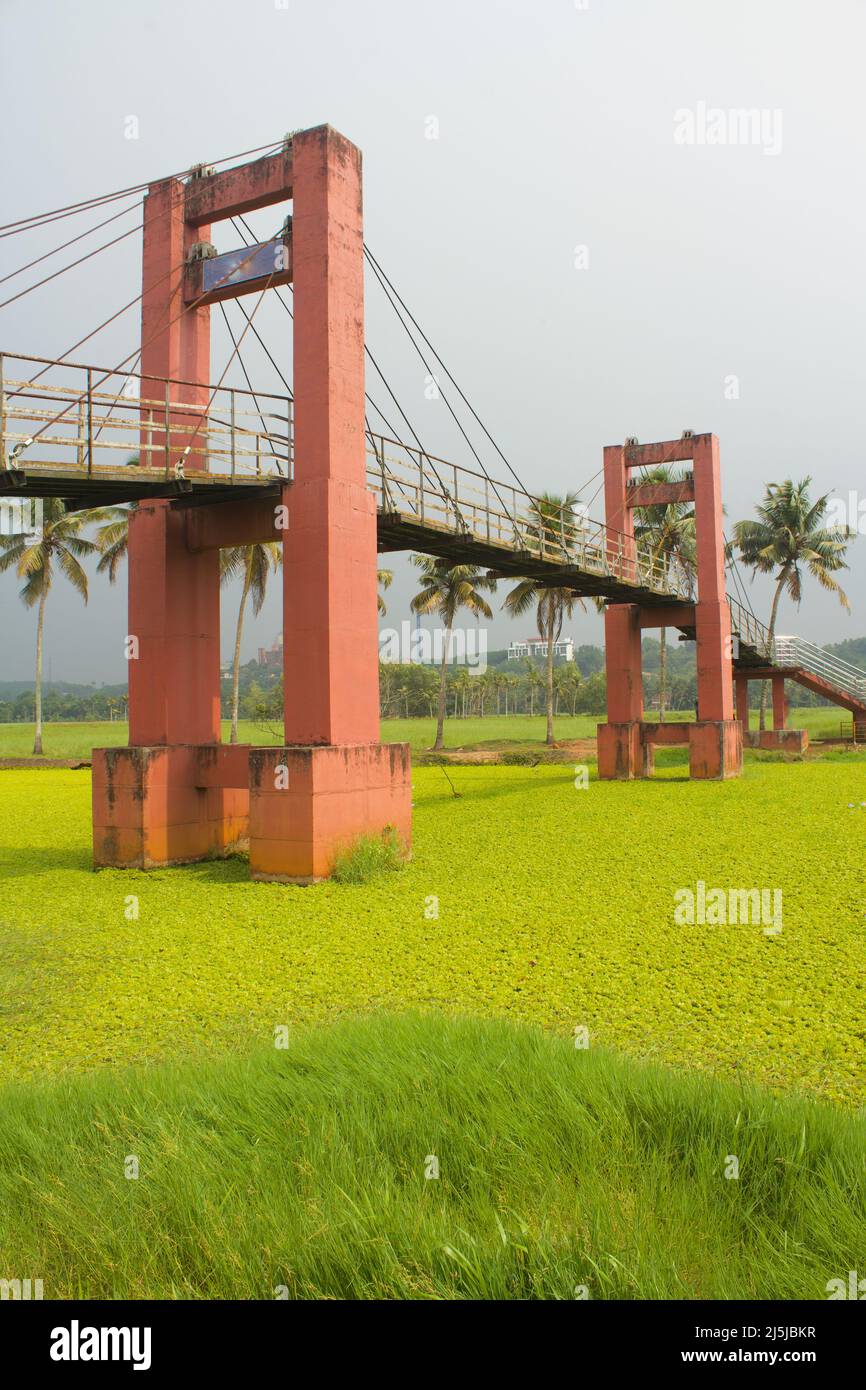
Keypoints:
pixel 853 649
pixel 10 690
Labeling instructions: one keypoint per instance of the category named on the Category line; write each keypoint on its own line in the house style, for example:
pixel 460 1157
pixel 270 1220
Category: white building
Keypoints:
pixel 537 646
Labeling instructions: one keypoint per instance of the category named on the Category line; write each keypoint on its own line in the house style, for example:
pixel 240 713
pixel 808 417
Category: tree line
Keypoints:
pixel 788 540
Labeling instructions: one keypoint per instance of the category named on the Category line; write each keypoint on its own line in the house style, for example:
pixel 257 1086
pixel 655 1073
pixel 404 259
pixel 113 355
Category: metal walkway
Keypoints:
pixel 99 437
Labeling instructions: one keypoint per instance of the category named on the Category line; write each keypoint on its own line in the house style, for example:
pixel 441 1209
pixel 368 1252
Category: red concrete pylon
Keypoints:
pixel 175 794
pixel 341 782
pixel 715 738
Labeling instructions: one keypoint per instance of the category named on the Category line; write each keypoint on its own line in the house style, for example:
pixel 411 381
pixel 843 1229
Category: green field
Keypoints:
pixel 556 907
pixel 281 1064
pixel 426 1159
pixel 77 740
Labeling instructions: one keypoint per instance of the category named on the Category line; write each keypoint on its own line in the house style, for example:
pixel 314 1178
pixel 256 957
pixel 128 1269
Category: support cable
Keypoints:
pixel 115 371
pixel 98 329
pixel 375 264
pixel 451 411
pixel 236 347
pixel 71 242
pixel 395 433
pixel 291 315
pixel 178 468
pixel 71 266
pixel 40 219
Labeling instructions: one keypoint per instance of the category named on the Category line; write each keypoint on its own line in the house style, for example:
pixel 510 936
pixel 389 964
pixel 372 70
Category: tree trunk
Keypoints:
pixel 40 625
pixel 765 685
pixel 550 624
pixel 443 675
pixel 236 666
pixel 663 673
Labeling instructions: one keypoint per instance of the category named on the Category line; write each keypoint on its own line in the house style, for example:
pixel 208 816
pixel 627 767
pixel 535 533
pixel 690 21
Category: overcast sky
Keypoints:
pixel 584 270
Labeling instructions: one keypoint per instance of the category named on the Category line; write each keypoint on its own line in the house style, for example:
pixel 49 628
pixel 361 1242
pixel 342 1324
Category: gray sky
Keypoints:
pixel 556 130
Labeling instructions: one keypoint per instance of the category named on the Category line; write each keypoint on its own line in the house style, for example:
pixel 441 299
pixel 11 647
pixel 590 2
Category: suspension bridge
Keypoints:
pixel 209 464
pixel 111 449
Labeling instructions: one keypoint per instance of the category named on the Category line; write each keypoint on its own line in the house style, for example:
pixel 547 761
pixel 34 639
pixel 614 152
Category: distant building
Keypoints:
pixel 537 646
pixel 272 656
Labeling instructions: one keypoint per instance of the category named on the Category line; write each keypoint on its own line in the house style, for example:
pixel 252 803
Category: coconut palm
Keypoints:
pixel 511 683
pixel 385 578
pixel 60 547
pixel 787 539
pixel 533 682
pixel 553 517
pixel 665 534
pixel 445 589
pixel 566 684
pixel 255 564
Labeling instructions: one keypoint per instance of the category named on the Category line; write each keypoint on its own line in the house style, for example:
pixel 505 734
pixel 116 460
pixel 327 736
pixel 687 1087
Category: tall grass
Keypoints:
pixel 368 856
pixel 310 1169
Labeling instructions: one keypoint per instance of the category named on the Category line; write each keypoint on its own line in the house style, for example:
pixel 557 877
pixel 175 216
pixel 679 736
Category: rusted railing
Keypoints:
pixel 84 420
pixel 437 494
pixel 749 630
pixel 97 422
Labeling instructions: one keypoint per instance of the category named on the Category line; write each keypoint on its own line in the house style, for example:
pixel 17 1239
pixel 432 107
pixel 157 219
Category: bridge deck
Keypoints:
pixel 196 445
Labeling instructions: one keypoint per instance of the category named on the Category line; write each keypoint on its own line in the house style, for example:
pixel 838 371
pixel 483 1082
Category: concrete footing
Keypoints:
pixel 626 750
pixel 308 803
pixel 716 748
pixel 293 807
pixel 170 804
pixel 784 740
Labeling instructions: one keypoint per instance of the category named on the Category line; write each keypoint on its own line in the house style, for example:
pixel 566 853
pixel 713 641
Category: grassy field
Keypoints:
pixel 424 1158
pixel 77 740
pixel 555 907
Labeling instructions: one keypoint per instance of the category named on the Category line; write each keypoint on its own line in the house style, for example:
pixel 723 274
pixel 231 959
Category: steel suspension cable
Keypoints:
pixel 42 218
pixel 71 242
pixel 115 371
pixel 474 451
pixel 243 368
pixel 232 356
pixel 71 266
pixel 373 262
pixel 395 433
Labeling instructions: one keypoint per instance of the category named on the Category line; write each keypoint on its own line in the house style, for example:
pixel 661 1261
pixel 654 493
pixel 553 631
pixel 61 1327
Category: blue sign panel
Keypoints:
pixel 248 263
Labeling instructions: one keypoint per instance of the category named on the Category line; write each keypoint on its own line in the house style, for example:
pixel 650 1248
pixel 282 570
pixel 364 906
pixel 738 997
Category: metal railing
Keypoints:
pixel 786 651
pixel 97 422
pixel 794 651
pixel 436 494
pixel 749 630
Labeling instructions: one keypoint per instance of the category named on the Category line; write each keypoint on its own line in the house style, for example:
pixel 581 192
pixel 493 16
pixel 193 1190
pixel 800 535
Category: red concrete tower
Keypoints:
pixel 626 741
pixel 333 780
pixel 176 794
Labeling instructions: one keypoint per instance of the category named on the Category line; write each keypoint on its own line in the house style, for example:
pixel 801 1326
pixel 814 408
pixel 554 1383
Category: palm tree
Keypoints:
pixel 533 681
pixel 666 534
pixel 787 537
pixel 61 546
pixel 112 539
pixel 386 579
pixel 255 563
pixel 444 590
pixel 510 682
pixel 555 516
pixel 566 683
